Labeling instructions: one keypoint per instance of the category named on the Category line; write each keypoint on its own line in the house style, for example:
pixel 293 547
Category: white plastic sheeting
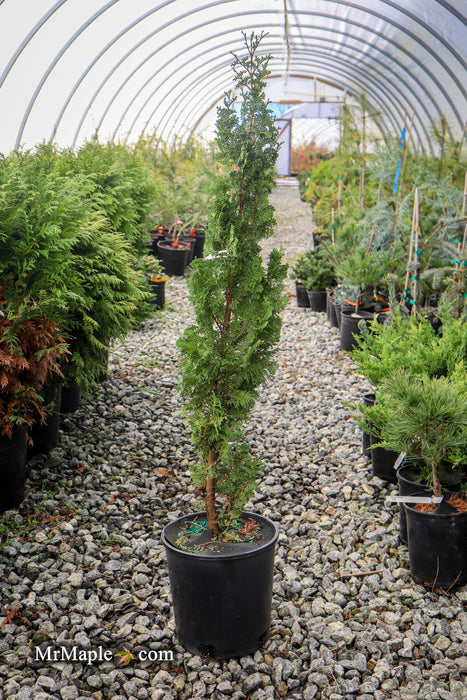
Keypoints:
pixel 73 69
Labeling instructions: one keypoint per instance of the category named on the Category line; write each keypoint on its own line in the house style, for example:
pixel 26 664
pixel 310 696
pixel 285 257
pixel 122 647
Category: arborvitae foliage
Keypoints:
pixel 122 182
pixel 41 215
pixel 228 353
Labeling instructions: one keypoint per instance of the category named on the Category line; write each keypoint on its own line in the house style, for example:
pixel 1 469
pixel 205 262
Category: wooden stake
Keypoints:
pixel 415 276
pixel 409 261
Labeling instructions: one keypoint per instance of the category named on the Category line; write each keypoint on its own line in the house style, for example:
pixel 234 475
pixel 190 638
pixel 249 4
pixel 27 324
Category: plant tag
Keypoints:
pixel 221 254
pixel 399 460
pixel 414 499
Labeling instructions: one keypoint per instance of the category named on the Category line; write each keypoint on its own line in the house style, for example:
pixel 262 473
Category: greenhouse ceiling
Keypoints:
pixel 118 69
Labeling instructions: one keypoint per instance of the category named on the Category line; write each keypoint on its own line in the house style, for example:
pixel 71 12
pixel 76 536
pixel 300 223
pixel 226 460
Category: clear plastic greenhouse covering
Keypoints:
pixel 118 69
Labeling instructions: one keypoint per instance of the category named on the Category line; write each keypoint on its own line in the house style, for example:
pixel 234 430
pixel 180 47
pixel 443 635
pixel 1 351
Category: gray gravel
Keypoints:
pixel 82 562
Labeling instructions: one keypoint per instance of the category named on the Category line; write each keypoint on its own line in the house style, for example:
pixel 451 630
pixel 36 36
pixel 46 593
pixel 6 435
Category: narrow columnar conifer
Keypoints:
pixel 229 351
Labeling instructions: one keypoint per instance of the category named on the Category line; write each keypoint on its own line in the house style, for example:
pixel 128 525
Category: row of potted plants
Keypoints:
pixel 395 240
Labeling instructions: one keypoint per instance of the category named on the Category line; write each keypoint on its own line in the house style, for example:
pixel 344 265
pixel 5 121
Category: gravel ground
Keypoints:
pixel 82 562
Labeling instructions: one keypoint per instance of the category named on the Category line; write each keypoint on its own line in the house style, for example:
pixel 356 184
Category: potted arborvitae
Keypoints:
pixel 155 276
pixel 321 275
pixel 221 561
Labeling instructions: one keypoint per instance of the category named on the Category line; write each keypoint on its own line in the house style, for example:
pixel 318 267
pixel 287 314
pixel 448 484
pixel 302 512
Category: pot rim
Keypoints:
pixel 216 556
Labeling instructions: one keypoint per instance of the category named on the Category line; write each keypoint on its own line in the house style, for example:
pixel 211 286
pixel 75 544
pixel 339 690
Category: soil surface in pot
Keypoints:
pixel 247 535
pixel 456 501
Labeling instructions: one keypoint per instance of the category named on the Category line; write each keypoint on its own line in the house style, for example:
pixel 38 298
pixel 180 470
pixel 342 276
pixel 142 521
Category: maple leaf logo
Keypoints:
pixel 126 657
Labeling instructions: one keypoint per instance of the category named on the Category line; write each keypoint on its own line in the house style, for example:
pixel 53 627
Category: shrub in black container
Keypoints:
pixel 222 598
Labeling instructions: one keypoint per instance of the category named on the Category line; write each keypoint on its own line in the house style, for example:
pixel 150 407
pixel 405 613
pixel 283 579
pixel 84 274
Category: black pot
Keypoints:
pixel 411 485
pixel 104 373
pixel 158 292
pixel 158 235
pixel 437 547
pixel 45 437
pixel 317 300
pixel 302 296
pixel 13 461
pixel 222 600
pixel 174 259
pixel 71 397
pixel 368 400
pixel 350 327
pixel 199 244
pixel 383 461
pixel 338 313
pixel 190 242
pixel 330 308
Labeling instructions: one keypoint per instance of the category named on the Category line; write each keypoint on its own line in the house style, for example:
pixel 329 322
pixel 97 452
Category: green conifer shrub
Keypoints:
pixel 228 353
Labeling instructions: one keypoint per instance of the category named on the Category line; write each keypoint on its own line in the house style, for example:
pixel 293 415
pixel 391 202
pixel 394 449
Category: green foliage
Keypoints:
pixel 228 353
pixel 123 187
pixel 412 345
pixel 426 417
pixel 184 177
pixel 314 269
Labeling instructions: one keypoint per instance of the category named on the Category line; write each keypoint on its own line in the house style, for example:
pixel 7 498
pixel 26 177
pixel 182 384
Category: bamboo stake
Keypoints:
pixel 339 193
pixel 464 199
pixel 373 228
pixel 415 276
pixel 409 261
pixel 332 227
pixel 404 159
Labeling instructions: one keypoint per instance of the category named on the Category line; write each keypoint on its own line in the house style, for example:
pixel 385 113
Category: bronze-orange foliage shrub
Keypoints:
pixel 31 347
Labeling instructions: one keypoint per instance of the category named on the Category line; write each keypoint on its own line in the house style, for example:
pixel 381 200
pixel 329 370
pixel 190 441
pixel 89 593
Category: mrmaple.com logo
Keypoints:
pixel 100 654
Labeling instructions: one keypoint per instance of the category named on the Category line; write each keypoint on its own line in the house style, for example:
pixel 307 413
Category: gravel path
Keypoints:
pixel 82 562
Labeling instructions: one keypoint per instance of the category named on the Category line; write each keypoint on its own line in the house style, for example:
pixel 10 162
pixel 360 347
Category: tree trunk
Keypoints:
pixel 437 489
pixel 210 498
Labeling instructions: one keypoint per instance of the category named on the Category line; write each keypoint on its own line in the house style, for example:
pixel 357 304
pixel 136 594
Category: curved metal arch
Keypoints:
pixel 392 101
pixel 28 38
pixel 170 108
pixel 323 15
pixel 128 28
pixel 218 46
pixel 423 108
pixel 403 10
pixel 416 60
pixel 176 105
pixel 54 63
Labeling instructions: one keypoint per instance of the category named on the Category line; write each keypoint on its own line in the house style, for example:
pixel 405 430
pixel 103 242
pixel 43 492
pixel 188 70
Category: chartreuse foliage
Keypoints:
pixel 228 353
pixel 412 345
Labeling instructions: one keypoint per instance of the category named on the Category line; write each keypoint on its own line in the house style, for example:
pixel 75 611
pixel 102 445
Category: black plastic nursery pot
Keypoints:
pixel 71 397
pixel 174 258
pixel 45 437
pixel 437 547
pixel 349 326
pixel 368 400
pixel 302 296
pixel 222 599
pixel 13 461
pixel 337 313
pixel 330 308
pixel 383 461
pixel 411 485
pixel 317 300
pixel 199 244
pixel 158 293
